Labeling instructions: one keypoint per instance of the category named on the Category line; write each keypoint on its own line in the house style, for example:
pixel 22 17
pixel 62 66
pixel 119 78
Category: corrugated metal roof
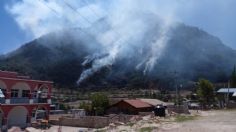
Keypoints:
pixel 137 103
pixel 234 94
pixel 226 90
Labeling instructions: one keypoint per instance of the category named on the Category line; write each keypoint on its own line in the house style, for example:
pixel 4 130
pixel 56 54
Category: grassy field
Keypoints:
pixel 182 118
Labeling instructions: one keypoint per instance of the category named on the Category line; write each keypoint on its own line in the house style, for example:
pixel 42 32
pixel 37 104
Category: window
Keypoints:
pixel 14 92
pixel 3 91
pixel 25 93
pixel 35 94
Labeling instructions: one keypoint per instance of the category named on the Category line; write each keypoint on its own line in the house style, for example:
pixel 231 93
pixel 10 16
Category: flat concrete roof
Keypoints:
pixel 226 90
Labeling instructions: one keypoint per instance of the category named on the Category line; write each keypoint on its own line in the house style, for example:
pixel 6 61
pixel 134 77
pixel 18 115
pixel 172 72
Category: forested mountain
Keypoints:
pixel 189 54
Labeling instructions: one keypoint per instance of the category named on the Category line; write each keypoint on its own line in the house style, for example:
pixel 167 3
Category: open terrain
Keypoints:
pixel 212 121
pixel 206 121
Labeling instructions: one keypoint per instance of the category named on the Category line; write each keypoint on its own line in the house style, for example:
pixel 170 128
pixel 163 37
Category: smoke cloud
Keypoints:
pixel 39 17
pixel 130 22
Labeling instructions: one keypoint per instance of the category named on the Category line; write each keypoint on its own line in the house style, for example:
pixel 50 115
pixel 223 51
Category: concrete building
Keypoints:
pixel 21 98
pixel 227 97
pixel 228 91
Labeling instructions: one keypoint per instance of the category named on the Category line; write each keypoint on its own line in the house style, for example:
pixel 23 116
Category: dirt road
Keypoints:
pixel 209 121
pixel 213 121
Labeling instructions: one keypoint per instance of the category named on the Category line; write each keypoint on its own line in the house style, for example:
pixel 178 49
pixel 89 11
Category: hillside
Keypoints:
pixel 190 52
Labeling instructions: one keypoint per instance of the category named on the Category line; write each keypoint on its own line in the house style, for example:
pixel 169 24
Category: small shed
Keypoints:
pixel 231 92
pixel 130 106
pixel 227 97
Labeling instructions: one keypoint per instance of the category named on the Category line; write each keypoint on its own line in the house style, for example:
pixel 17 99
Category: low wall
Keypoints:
pixel 231 105
pixel 178 109
pixel 146 113
pixel 91 121
pixel 86 121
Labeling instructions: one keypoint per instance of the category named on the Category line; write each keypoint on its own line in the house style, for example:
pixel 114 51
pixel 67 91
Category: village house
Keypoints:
pixel 22 98
pixel 227 97
pixel 230 92
pixel 156 102
pixel 130 106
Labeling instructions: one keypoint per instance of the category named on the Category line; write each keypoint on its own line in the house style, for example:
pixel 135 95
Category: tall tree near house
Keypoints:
pixel 205 91
pixel 100 102
pixel 233 78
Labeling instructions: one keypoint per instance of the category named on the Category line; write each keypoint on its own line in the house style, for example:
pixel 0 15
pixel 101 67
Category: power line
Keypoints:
pixel 91 9
pixel 76 11
pixel 71 7
pixel 96 14
pixel 86 19
pixel 53 10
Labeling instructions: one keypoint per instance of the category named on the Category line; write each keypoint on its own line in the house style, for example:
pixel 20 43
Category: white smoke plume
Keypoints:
pixel 39 17
pixel 130 22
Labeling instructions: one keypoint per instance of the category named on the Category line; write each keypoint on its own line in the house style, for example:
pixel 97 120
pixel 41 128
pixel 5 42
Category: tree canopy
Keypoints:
pixel 100 102
pixel 205 91
pixel 233 78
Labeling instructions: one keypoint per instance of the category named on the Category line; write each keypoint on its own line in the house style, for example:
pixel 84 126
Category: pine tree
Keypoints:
pixel 205 92
pixel 233 78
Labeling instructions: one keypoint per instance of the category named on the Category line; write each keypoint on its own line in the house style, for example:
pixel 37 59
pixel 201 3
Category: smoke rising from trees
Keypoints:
pixel 123 34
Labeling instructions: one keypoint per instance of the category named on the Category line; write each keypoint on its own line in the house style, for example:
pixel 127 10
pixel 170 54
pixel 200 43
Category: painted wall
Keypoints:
pixel 17 116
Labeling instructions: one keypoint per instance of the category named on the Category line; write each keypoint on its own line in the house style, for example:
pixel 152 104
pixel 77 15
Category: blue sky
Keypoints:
pixel 11 36
pixel 217 17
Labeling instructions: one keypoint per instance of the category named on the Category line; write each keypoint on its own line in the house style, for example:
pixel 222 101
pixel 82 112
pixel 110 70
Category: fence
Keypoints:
pixel 178 109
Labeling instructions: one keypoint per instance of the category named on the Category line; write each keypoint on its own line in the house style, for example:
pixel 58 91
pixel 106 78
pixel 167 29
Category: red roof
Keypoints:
pixel 15 76
pixel 137 103
pixel 8 74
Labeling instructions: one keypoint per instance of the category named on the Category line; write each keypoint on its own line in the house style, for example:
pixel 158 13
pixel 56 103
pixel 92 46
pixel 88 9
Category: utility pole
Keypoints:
pixel 228 94
pixel 176 88
pixel 180 87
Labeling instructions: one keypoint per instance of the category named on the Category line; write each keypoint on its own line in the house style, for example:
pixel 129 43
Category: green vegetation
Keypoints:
pixel 101 130
pixel 86 106
pixel 205 91
pixel 233 79
pixel 63 107
pixel 130 124
pixel 60 59
pixel 147 129
pixel 182 118
pixel 100 102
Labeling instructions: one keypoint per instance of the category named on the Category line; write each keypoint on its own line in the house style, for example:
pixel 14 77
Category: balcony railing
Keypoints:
pixel 19 100
pixel 35 100
pixel 23 100
pixel 42 100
